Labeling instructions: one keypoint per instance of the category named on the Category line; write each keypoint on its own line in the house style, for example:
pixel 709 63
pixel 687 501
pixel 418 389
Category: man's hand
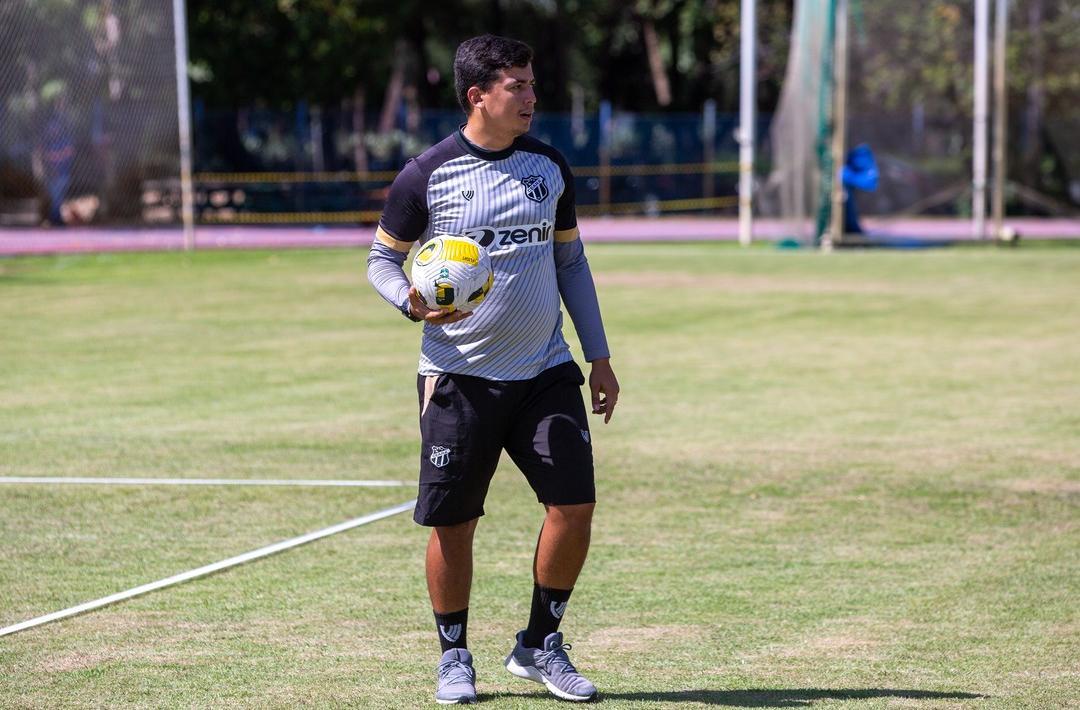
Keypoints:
pixel 602 382
pixel 420 310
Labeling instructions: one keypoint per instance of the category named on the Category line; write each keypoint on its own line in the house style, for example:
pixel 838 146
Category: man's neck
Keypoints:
pixel 481 137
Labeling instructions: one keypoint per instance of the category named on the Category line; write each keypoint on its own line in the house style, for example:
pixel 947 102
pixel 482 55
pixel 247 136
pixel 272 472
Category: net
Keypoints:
pixel 799 133
pixel 910 105
pixel 88 112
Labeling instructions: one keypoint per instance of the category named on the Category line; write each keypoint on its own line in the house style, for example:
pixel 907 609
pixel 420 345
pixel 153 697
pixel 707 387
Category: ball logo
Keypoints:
pixel 535 188
pixel 465 252
pixel 429 252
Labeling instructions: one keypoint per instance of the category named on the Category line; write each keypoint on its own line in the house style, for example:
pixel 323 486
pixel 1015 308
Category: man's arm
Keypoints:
pixel 385 270
pixel 579 294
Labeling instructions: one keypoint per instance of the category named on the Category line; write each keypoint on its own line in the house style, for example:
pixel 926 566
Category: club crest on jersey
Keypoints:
pixel 535 188
pixel 440 456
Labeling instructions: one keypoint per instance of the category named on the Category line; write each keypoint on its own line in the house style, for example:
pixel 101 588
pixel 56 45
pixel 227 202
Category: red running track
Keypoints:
pixel 15 241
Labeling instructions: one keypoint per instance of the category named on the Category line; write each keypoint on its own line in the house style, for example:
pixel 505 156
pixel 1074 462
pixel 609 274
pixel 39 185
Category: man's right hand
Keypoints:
pixel 436 317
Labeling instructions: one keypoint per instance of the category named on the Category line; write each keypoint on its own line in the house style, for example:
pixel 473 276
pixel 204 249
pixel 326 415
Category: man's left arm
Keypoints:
pixel 579 294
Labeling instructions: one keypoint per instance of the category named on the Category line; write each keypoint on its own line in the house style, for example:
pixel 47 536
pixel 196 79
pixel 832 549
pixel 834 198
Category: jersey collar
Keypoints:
pixel 475 150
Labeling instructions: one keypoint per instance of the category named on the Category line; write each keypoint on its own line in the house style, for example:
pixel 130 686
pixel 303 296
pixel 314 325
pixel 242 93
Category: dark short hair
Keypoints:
pixel 478 61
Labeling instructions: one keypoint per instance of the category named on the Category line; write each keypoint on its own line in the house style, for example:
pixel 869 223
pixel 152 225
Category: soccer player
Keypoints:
pixel 501 377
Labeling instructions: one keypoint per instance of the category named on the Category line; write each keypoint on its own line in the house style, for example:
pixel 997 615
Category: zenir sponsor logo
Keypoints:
pixel 524 235
pixel 557 610
pixel 467 194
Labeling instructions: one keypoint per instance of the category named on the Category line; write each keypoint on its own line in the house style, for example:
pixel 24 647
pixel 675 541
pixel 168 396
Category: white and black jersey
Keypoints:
pixel 517 203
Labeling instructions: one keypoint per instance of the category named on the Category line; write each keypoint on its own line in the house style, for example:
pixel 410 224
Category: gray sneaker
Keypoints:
pixel 551 666
pixel 456 678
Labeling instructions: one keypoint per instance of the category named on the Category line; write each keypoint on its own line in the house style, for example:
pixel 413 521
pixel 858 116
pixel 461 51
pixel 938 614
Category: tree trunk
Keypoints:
pixel 1036 97
pixel 359 107
pixel 656 63
pixel 394 88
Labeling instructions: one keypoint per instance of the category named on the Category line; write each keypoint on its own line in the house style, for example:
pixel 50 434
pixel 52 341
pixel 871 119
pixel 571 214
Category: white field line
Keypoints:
pixel 208 569
pixel 202 481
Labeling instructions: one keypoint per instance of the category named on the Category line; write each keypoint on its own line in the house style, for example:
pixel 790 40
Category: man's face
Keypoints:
pixel 509 104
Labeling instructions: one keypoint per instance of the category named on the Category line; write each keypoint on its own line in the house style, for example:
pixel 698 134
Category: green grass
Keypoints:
pixel 844 481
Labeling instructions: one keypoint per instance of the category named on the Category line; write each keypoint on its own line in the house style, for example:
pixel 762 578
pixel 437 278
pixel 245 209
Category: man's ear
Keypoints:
pixel 475 96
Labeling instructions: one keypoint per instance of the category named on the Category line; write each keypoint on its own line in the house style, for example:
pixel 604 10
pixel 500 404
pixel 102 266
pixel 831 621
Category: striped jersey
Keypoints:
pixel 511 202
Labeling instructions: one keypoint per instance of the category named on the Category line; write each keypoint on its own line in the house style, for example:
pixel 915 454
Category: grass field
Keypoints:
pixel 845 481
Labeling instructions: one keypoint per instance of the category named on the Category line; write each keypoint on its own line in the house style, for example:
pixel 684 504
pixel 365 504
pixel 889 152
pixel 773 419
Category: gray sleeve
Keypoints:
pixel 385 272
pixel 579 294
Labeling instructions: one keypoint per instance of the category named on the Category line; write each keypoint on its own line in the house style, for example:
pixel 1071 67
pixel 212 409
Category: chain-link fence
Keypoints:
pixel 88 117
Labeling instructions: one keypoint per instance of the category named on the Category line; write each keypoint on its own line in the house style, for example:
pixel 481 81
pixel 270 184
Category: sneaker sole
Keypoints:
pixel 459 701
pixel 530 673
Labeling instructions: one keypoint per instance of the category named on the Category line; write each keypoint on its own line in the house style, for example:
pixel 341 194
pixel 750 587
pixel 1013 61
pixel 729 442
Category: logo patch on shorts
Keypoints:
pixel 585 435
pixel 440 456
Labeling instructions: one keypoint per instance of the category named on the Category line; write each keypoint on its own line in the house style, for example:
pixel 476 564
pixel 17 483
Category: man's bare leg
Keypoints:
pixel 561 549
pixel 449 575
pixel 563 545
pixel 539 654
pixel 449 566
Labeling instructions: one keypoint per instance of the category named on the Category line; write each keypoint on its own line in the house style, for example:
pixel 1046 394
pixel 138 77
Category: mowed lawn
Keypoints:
pixel 842 481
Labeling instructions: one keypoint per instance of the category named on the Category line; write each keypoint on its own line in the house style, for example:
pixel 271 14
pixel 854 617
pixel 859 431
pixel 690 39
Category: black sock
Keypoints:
pixel 451 628
pixel 548 607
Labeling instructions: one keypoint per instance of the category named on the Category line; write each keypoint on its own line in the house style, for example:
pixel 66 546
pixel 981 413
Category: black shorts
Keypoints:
pixel 466 422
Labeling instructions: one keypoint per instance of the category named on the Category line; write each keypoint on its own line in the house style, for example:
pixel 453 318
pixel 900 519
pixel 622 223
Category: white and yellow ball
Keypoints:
pixel 452 273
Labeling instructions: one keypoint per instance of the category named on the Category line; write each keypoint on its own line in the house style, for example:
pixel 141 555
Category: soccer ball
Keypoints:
pixel 452 273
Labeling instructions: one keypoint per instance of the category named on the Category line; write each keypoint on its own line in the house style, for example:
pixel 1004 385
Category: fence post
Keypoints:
pixel 708 137
pixel 183 113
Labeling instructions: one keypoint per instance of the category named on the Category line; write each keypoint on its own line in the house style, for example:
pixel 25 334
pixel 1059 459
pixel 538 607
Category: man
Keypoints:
pixel 501 377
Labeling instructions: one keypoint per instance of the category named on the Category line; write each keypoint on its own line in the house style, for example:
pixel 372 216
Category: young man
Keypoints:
pixel 502 377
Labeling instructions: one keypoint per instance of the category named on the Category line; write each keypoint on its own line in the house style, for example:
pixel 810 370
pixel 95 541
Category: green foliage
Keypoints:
pixel 277 52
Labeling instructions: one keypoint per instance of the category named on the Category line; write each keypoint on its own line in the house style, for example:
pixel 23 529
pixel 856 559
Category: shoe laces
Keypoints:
pixel 455 672
pixel 556 656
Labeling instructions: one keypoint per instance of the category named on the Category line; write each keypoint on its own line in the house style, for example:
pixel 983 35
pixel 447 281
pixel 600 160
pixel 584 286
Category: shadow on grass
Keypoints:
pixel 759 697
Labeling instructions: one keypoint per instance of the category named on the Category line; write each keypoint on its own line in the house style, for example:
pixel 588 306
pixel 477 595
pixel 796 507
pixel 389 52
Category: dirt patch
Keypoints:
pixel 738 284
pixel 79 661
pixel 1053 486
pixel 627 640
pixel 829 646
pixel 838 639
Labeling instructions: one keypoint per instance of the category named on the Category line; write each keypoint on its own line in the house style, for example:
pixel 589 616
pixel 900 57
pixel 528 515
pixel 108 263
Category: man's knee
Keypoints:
pixel 578 516
pixel 462 532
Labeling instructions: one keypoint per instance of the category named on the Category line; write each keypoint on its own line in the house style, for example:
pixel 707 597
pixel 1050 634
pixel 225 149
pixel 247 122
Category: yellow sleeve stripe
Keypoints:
pixel 396 244
pixel 567 235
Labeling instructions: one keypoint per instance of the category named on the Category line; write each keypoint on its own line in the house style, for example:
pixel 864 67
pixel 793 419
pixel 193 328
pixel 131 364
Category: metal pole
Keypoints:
pixel 839 127
pixel 183 112
pixel 978 169
pixel 747 104
pixel 605 157
pixel 708 140
pixel 1001 107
